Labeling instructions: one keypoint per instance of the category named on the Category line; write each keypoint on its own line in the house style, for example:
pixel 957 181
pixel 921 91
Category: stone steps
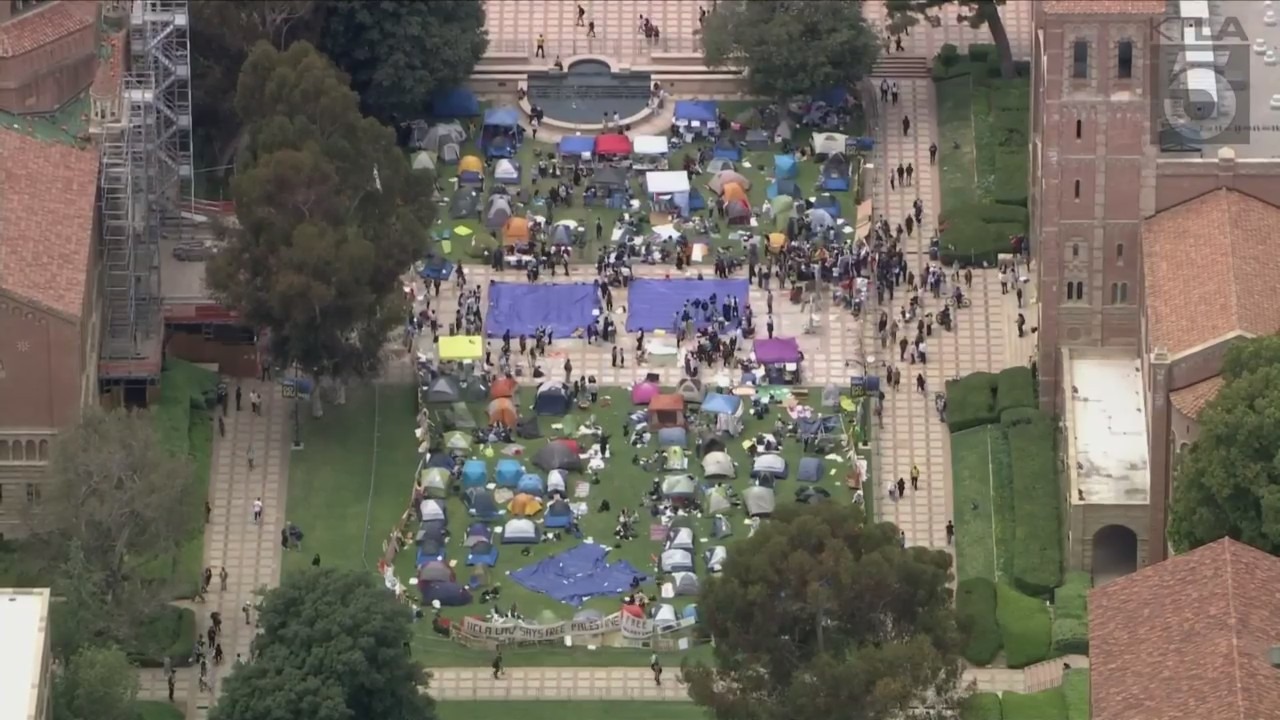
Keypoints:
pixel 1048 674
pixel 901 66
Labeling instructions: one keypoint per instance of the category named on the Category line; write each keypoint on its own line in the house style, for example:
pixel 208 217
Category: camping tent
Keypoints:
pixel 470 171
pixel 696 117
pixel 520 531
pixel 435 571
pixel 721 527
pixel 734 193
pixel 759 501
pixel 483 553
pixel 810 469
pixel 498 212
pixel 617 145
pixel 757 140
pixel 717 500
pixel 442 134
pixel 448 594
pixel 718 464
pixel 784 167
pixel 669 186
pixel 651 145
pixel 715 558
pixel 721 404
pixel 719 165
pixel 727 147
pixel 507 171
pixel 516 231
pixel 691 389
pixel 431 509
pixel 666 411
pixel 454 103
pixel 644 392
pixel 609 178
pixel 827 203
pixel 684 583
pixel 502 411
pixel 828 143
pixel 737 208
pixel 558 515
pixel 562 233
pixel 679 486
pixel 423 160
pixel 474 473
pixel 676 561
pixel 524 505
pixel 784 208
pixel 457 440
pixel 531 484
pixel 435 482
pixel 783 188
pixel 557 482
pixel 508 472
pixel 557 456
pixel 728 177
pixel 443 389
pixel 503 387
pixel 673 456
pixel 784 131
pixel 835 173
pixel 680 538
pixel 501 132
pixel 477 532
pixel 464 203
pixel 577 146
pixel 480 503
pixel 450 153
pixel 552 399
pixel 819 219
pixel 431 538
pixel 769 464
pixel 672 437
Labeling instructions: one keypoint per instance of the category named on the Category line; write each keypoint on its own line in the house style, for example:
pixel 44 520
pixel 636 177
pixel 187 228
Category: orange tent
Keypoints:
pixel 667 411
pixel 470 163
pixel 502 412
pixel 524 505
pixel 734 191
pixel 503 387
pixel 516 230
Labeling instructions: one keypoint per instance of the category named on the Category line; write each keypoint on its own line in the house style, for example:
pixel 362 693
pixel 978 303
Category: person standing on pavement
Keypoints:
pixel 257 511
pixel 656 666
pixel 915 478
pixel 237 398
pixel 497 665
pixel 222 579
pixel 951 532
pixel 247 608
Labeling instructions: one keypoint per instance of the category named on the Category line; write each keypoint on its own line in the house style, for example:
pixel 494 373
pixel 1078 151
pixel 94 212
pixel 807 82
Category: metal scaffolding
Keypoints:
pixel 146 185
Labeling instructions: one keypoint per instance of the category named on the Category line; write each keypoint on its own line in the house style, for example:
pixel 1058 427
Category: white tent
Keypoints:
pixel 759 501
pixel 677 561
pixel 685 583
pixel 666 614
pixel 716 557
pixel 718 500
pixel 717 464
pixel 506 171
pixel 679 486
pixel 829 143
pixel 650 145
pixel 769 464
pixel 669 185
pixel 520 531
pixel 680 538
pixel 423 160
pixel 557 482
pixel 431 509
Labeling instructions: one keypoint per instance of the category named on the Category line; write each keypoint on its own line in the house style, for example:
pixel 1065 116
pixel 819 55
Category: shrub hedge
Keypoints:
pixel 1070 637
pixel 1037 566
pixel 976 612
pixel 976 234
pixel 1015 388
pixel 1044 705
pixel 1075 691
pixel 971 401
pixel 168 632
pixel 1025 627
pixel 1071 600
pixel 981 706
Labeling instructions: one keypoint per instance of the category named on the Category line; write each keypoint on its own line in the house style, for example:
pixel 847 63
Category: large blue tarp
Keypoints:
pixel 456 103
pixel 507 117
pixel 696 110
pixel 522 308
pixel 577 144
pixel 577 575
pixel 654 304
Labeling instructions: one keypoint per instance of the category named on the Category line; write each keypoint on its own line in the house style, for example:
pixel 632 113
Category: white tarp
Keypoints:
pixel 650 145
pixel 667 182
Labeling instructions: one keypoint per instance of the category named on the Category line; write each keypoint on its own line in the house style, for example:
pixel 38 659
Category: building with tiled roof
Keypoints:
pixel 1195 636
pixel 48 303
pixel 48 53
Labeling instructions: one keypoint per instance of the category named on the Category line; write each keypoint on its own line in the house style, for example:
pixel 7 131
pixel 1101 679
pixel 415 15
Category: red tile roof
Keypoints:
pixel 47 206
pixel 1188 638
pixel 1105 7
pixel 45 24
pixel 107 80
pixel 1190 302
pixel 1191 399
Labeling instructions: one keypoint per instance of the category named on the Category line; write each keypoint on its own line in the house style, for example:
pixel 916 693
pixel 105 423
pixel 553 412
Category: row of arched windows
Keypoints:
pixel 30 451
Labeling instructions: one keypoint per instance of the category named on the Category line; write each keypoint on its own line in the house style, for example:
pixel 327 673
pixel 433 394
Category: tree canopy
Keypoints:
pixel 822 615
pixel 791 48
pixel 330 213
pixel 333 646
pixel 976 13
pixel 1227 484
pixel 399 53
pixel 96 684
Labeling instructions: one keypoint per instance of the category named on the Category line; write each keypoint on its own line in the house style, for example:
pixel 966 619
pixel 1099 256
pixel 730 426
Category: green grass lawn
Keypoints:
pixel 154 710
pixel 329 490
pixel 584 710
pixel 756 169
pixel 983 487
pixel 957 157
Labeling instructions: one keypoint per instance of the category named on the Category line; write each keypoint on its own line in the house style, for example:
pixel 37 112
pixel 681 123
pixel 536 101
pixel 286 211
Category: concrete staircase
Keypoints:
pixel 1048 674
pixel 901 66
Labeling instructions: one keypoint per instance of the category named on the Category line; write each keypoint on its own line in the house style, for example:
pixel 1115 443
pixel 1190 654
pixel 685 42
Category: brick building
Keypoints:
pixel 48 53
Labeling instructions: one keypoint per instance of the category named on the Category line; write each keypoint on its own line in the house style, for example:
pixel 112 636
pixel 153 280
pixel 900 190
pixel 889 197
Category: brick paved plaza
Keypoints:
pixel 514 26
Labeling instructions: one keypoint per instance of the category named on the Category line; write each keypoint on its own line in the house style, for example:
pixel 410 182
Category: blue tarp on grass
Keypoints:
pixel 577 575
pixel 521 308
pixel 655 303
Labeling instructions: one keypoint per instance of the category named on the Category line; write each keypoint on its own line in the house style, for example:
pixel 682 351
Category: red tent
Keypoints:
pixel 613 145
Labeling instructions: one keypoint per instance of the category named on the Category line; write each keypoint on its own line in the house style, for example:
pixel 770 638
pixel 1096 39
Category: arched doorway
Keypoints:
pixel 1115 552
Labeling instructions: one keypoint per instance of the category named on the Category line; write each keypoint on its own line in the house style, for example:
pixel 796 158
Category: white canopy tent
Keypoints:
pixel 650 145
pixel 669 185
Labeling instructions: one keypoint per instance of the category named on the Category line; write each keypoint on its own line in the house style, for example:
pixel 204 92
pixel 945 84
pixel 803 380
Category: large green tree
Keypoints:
pixel 96 684
pixel 904 14
pixel 330 216
pixel 791 47
pixel 1227 484
pixel 821 614
pixel 333 646
pixel 399 53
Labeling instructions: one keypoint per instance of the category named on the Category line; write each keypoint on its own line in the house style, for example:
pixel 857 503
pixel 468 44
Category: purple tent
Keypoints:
pixel 775 351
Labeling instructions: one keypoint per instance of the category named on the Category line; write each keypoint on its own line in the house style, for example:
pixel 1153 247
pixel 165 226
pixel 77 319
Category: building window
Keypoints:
pixel 1119 251
pixel 1080 60
pixel 1079 129
pixel 4 451
pixel 1071 290
pixel 31 451
pixel 1119 293
pixel 1075 250
pixel 1124 58
pixel 33 492
pixel 1075 290
pixel 1 494
pixel 1077 189
pixel 17 455
pixel 44 451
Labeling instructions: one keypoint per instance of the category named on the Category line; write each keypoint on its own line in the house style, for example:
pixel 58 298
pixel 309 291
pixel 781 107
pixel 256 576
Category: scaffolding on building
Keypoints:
pixel 146 188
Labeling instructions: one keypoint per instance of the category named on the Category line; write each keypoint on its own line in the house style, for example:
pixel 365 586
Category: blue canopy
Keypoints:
pixel 721 404
pixel 456 103
pixel 508 117
pixel 785 167
pixel 696 110
pixel 833 96
pixel 577 144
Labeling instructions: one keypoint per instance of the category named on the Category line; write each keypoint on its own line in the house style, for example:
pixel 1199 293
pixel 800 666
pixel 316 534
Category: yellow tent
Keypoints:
pixel 524 505
pixel 733 191
pixel 470 163
pixel 777 241
pixel 461 347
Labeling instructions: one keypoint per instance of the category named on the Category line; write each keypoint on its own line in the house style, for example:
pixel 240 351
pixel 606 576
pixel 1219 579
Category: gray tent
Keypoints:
pixel 810 469
pixel 498 212
pixel 464 203
pixel 424 160
pixel 783 131
pixel 715 558
pixel 480 503
pixel 685 583
pixel 718 464
pixel 435 571
pixel 441 134
pixel 759 501
pixel 507 171
pixel 692 390
pixel 432 509
pixel 444 389
pixel 562 235
pixel 520 531
pixel 718 165
pixel 459 416
pixel 812 495
pixel 717 500
pixel 820 218
pixel 450 153
pixel 721 527
pixel 680 538
pixel 769 464
pixel 676 560
pixel 557 456
pixel 673 437
pixel 679 486
pixel 757 140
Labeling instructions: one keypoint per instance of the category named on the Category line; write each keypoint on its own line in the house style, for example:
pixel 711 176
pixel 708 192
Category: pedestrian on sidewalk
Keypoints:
pixel 897 43
pixel 257 511
pixel 237 398
pixel 205 580
pixel 884 91
pixel 906 125
pixel 582 14
pixel 893 92
pixel 915 477
pixel 541 50
pixel 951 532
pixel 247 608
pixel 1021 322
pixel 902 488
pixel 284 538
pixel 1018 293
pixel 172 682
pixel 217 654
pixel 656 666
pixel 208 511
pixel 222 579
pixel 249 455
pixel 933 153
pixel 921 384
pixel 910 172
pixel 902 173
pixel 497 665
pixel 591 29
pixel 222 427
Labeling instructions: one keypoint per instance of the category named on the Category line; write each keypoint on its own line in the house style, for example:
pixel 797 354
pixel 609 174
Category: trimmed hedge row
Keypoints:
pixel 1045 705
pixel 1025 627
pixel 1075 691
pixel 976 234
pixel 981 706
pixel 1015 388
pixel 971 401
pixel 169 632
pixel 1070 637
pixel 1037 565
pixel 976 613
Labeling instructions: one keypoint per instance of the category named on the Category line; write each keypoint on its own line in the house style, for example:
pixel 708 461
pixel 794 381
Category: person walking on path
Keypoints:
pixel 902 488
pixel 541 51
pixel 257 511
pixel 933 153
pixel 656 666
pixel 591 29
pixel 582 14
pixel 249 455
pixel 497 665
pixel 171 682
pixel 237 398
pixel 951 532
pixel 222 579
pixel 915 478
pixel 247 608
pixel 906 125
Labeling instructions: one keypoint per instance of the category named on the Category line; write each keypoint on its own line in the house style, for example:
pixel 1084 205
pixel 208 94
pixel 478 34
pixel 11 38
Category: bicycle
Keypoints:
pixel 964 302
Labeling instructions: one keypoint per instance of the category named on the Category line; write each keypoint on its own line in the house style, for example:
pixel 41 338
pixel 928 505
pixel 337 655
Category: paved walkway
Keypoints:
pixel 514 26
pixel 926 40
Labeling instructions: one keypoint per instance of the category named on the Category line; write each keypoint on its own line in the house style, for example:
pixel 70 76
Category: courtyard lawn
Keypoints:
pixel 578 710
pixel 757 169
pixel 956 154
pixel 156 710
pixel 329 491
pixel 971 464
